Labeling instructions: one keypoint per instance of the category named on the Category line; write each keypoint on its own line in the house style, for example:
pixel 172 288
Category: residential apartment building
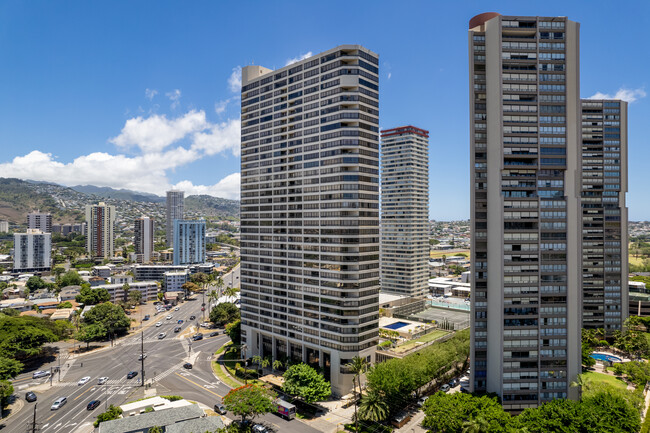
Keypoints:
pixel 40 221
pixel 175 206
pixel 154 272
pixel 173 281
pixel 4 226
pixel 525 208
pixel 32 251
pixel 149 290
pixel 310 210
pixel 143 232
pixel 405 211
pixel 100 219
pixel 189 242
pixel 605 302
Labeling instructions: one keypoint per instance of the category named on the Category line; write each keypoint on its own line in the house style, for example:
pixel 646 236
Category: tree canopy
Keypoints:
pixel 9 368
pixel 110 316
pixel 35 283
pixel 226 312
pixel 113 412
pixel 22 337
pixel 70 278
pixel 249 401
pixel 303 381
pixel 88 296
pixel 234 332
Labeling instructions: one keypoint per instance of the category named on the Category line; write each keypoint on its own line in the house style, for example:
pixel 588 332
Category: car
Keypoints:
pixel 445 387
pixel 259 428
pixel 58 403
pixel 187 365
pixel 102 380
pixel 162 335
pixel 146 317
pixel 84 380
pixel 39 374
pixel 158 324
pixel 142 356
pixel 177 329
pixel 131 374
pixel 177 308
pixel 192 317
pixel 196 337
pixel 180 321
pixel 169 317
pixel 30 396
pixel 422 400
pixel 224 332
pixel 220 409
pixel 214 334
pixel 93 404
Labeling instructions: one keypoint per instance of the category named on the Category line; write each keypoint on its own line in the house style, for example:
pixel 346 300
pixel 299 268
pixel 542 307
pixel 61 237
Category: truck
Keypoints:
pixel 285 409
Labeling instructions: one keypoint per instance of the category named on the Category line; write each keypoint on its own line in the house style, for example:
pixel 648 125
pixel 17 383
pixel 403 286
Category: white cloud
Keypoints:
pixel 390 74
pixel 228 187
pixel 175 97
pixel 150 93
pixel 156 132
pixel 220 106
pixel 234 81
pixel 629 95
pixel 299 58
pixel 219 138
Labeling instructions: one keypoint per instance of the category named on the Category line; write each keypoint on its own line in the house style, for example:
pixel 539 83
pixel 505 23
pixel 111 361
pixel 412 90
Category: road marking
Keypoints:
pixel 51 416
pixel 200 386
pixel 79 396
pixel 23 379
pixel 45 426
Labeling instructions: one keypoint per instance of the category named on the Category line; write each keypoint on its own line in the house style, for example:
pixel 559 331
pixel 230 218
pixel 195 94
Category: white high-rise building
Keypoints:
pixel 405 211
pixel 310 211
pixel 526 216
pixel 40 221
pixel 32 251
pixel 4 226
pixel 143 232
pixel 175 206
pixel 100 219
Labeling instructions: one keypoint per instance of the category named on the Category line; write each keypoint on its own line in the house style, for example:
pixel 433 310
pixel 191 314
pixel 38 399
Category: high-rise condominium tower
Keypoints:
pixel 405 211
pixel 32 251
pixel 310 210
pixel 604 214
pixel 40 221
pixel 525 207
pixel 143 231
pixel 175 204
pixel 101 219
pixel 189 242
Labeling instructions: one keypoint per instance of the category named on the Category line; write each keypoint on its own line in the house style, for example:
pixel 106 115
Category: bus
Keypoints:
pixel 285 409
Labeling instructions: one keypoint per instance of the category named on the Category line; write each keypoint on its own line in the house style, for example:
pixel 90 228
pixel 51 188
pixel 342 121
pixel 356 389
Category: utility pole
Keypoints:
pixel 51 376
pixel 59 370
pixel 33 428
pixel 142 353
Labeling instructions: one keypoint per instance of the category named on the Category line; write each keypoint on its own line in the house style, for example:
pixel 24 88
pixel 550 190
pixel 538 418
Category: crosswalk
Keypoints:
pixel 123 381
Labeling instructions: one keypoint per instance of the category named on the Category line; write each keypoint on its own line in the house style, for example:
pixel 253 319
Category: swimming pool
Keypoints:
pixel 605 357
pixel 396 325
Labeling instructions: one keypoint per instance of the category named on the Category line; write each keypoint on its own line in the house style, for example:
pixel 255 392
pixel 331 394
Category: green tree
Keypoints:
pixel 357 366
pixel 23 337
pixel 249 401
pixel 476 425
pixel 446 413
pixel 66 304
pixel 231 291
pixel 277 364
pixel 88 333
pixel 587 360
pixel 70 278
pixel 113 412
pixel 373 407
pixel 12 312
pixel 88 296
pixel 9 368
pixel 156 429
pixel 223 313
pixel 303 381
pixel 190 287
pixel 35 283
pixel 234 332
pixel 6 390
pixel 135 296
pixel 110 316
pixel 160 296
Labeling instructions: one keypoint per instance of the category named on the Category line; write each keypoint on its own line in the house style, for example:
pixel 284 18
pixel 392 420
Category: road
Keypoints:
pixel 164 375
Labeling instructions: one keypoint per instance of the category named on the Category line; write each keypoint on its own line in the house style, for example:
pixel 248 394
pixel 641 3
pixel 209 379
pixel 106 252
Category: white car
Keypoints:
pixel 58 403
pixel 39 374
pixel 177 308
pixel 102 380
pixel 143 355
pixel 170 317
pixel 162 335
pixel 158 324
pixel 84 380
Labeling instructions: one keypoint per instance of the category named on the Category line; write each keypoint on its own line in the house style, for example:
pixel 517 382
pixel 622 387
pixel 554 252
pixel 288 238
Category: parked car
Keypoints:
pixel 131 374
pixel 214 334
pixel 30 396
pixel 196 337
pixel 146 317
pixel 162 335
pixel 177 329
pixel 39 374
pixel 187 365
pixel 259 428
pixel 142 356
pixel 445 387
pixel 93 404
pixel 58 403
pixel 158 324
pixel 422 400
pixel 84 380
pixel 220 409
pixel 102 380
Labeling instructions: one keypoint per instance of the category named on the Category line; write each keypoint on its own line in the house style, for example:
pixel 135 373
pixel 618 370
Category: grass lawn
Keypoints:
pixel 424 339
pixel 636 261
pixel 593 377
pixel 439 254
pixel 647 336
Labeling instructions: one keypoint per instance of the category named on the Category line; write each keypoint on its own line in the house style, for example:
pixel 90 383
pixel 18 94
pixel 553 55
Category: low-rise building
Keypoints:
pixel 121 279
pixel 62 314
pixel 102 271
pixel 149 290
pixel 69 293
pixel 173 281
pixel 19 304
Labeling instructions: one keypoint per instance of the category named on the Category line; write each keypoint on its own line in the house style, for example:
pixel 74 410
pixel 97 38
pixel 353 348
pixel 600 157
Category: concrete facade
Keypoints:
pixel 32 251
pixel 39 221
pixel 189 242
pixel 101 220
pixel 143 233
pixel 175 209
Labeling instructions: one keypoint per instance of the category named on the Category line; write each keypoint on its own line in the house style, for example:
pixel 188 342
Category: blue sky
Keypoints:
pixel 139 95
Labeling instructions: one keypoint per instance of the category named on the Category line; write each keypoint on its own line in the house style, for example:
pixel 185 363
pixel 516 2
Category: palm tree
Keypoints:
pixel 212 296
pixel 277 364
pixel 218 282
pixel 358 366
pixel 476 425
pixel 257 360
pixel 231 291
pixel 373 407
pixel 265 363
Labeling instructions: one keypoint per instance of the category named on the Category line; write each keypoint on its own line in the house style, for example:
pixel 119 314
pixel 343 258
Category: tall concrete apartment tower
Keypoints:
pixel 175 206
pixel 143 231
pixel 310 211
pixel 40 221
pixel 526 216
pixel 101 219
pixel 32 251
pixel 405 211
pixel 189 242
pixel 605 301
